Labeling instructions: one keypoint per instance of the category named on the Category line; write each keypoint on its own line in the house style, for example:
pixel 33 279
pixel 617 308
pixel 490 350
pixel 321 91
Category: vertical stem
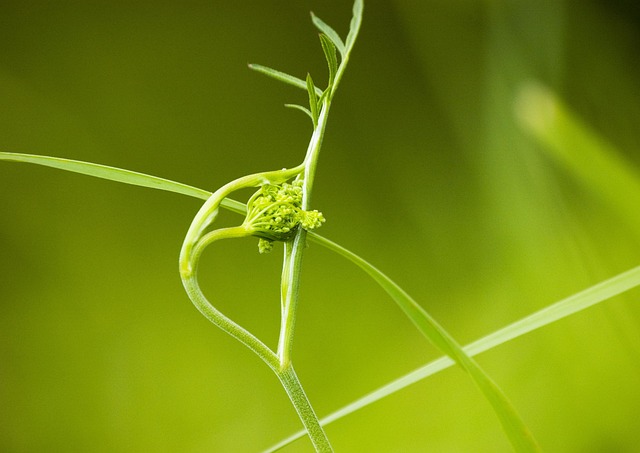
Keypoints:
pixel 294 389
pixel 292 265
pixel 311 159
pixel 290 285
pixel 196 240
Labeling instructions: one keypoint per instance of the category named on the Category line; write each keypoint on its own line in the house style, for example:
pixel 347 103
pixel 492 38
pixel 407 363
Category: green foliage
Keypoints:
pixel 278 211
pixel 330 34
pixel 330 42
pixel 281 76
pixel 329 50
pixel 107 172
pixel 313 101
pixel 275 213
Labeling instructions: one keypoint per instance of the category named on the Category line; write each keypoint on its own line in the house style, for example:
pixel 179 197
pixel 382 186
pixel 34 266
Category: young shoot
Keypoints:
pixel 279 211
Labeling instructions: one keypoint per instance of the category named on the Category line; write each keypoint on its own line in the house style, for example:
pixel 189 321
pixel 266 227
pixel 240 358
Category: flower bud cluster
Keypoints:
pixel 274 213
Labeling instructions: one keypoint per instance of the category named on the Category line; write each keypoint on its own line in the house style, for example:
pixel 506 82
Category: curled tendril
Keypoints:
pixel 275 212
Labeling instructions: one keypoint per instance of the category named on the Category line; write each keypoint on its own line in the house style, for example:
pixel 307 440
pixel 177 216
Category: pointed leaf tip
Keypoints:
pixel 330 32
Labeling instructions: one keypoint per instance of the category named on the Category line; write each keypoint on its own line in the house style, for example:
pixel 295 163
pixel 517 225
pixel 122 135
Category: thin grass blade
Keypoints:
pixel 120 175
pixel 107 172
pixel 330 32
pixel 517 432
pixel 282 77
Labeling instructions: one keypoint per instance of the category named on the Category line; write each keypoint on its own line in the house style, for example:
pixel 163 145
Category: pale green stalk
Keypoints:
pixel 194 244
pixel 276 228
pixel 290 281
pixel 290 284
pixel 294 250
pixel 296 393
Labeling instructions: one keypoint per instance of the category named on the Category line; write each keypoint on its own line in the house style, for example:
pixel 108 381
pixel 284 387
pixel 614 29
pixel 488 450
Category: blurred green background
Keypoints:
pixel 425 172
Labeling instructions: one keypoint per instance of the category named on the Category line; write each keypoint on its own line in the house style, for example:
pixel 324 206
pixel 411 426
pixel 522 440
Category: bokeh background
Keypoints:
pixel 425 172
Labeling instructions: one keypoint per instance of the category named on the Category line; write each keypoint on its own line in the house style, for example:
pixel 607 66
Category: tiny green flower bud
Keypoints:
pixel 265 245
pixel 275 212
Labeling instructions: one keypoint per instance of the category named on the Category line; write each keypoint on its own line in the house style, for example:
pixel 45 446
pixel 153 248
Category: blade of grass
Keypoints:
pixel 566 307
pixel 107 172
pixel 282 77
pixel 119 175
pixel 581 150
pixel 518 434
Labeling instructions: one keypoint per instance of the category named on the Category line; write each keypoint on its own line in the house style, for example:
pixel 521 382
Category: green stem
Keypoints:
pixel 313 152
pixel 290 281
pixel 286 374
pixel 290 284
pixel 294 389
pixel 209 209
pixel 188 268
pixel 291 270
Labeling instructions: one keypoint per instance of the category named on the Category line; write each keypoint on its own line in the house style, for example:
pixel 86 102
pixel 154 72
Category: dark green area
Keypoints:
pixel 424 172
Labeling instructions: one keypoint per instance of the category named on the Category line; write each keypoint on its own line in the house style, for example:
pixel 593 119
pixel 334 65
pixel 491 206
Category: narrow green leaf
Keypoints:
pixel 322 98
pixel 332 60
pixel 566 307
pixel 313 100
pixel 354 29
pixel 120 175
pixel 354 26
pixel 330 32
pixel 106 172
pixel 581 150
pixel 301 108
pixel 282 77
pixel 517 432
pixel 234 206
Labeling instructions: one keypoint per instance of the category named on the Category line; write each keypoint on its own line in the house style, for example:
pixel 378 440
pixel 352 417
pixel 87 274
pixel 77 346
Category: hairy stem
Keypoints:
pixel 188 272
pixel 294 389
